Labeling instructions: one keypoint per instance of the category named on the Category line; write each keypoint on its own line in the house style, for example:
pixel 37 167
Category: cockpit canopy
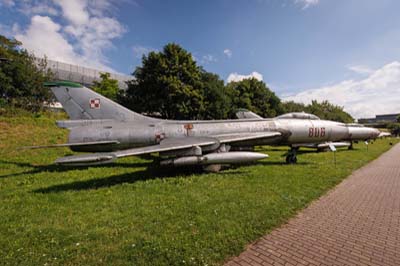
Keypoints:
pixel 298 115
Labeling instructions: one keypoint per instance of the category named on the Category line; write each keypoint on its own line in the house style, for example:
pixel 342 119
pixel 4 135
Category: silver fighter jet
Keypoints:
pixel 111 131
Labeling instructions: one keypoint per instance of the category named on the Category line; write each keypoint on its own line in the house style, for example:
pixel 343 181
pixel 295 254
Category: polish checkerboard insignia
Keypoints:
pixel 94 103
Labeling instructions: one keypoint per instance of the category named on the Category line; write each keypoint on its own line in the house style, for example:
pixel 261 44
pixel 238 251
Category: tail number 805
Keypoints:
pixel 316 132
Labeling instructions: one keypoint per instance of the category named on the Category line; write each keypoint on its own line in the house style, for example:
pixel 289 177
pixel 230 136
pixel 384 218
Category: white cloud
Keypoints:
pixel 237 77
pixel 35 8
pixel 307 3
pixel 7 3
pixel 378 93
pixel 228 53
pixel 43 33
pixel 206 59
pixel 81 38
pixel 139 51
pixel 360 69
pixel 74 10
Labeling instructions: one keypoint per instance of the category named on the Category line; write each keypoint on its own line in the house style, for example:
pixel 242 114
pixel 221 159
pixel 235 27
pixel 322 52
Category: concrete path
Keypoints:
pixel 357 223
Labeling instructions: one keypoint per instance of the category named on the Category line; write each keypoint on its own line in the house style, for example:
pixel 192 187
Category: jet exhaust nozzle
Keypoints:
pixel 215 158
pixel 87 159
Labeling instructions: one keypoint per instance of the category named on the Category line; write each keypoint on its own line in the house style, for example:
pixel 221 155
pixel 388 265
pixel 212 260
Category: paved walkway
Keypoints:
pixel 357 223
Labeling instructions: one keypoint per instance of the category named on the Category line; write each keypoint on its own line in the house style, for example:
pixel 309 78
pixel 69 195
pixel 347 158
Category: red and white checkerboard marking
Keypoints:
pixel 94 103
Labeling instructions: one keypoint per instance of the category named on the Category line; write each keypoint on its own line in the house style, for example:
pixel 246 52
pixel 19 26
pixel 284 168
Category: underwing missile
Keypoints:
pixel 216 158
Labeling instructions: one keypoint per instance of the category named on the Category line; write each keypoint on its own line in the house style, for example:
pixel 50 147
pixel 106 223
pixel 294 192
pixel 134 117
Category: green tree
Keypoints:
pixel 394 128
pixel 22 77
pixel 328 111
pixel 291 106
pixel 107 87
pixel 255 96
pixel 216 100
pixel 168 83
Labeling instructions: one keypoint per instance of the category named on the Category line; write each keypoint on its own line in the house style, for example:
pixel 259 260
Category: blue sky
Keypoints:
pixel 346 51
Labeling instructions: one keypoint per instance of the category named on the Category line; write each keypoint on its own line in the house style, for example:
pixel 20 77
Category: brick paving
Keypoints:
pixel 356 223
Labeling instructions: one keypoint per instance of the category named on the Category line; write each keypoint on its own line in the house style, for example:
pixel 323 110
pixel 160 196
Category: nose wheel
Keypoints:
pixel 291 157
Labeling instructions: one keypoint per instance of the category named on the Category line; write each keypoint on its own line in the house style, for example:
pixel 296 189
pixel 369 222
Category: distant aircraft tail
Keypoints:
pixel 82 103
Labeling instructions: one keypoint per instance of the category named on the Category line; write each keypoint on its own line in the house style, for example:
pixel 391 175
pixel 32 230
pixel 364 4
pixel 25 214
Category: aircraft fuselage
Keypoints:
pixel 138 134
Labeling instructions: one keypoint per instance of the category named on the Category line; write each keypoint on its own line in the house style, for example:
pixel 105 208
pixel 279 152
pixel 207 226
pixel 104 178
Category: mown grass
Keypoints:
pixel 132 213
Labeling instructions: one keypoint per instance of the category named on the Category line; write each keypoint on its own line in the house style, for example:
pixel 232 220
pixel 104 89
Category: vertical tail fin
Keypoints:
pixel 82 103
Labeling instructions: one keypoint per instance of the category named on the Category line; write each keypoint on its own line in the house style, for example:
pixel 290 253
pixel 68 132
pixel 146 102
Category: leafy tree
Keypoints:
pixel 22 77
pixel 394 128
pixel 324 110
pixel 255 96
pixel 216 100
pixel 328 111
pixel 107 87
pixel 291 106
pixel 168 83
pixel 398 119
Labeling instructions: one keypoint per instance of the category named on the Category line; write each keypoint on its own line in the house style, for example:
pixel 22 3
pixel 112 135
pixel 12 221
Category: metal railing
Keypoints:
pixel 83 75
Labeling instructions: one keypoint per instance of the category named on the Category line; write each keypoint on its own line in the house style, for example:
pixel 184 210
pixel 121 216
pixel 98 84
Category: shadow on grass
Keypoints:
pixel 52 168
pixel 282 163
pixel 152 172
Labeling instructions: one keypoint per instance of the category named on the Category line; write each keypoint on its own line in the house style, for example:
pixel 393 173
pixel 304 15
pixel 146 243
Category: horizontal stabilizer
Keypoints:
pixel 105 142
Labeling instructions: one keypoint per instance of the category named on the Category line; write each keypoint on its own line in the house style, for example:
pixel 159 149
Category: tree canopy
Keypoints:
pixel 22 77
pixel 171 84
pixel 216 98
pixel 107 87
pixel 394 128
pixel 328 111
pixel 255 96
pixel 168 83
pixel 324 110
pixel 291 107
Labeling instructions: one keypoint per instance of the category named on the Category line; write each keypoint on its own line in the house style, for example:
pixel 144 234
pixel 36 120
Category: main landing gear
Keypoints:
pixel 351 146
pixel 291 157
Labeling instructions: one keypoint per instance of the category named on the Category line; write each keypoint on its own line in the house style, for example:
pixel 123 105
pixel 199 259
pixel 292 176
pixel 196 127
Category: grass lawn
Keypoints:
pixel 127 214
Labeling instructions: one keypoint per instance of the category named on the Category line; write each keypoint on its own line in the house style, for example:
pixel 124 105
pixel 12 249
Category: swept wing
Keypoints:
pixel 168 144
